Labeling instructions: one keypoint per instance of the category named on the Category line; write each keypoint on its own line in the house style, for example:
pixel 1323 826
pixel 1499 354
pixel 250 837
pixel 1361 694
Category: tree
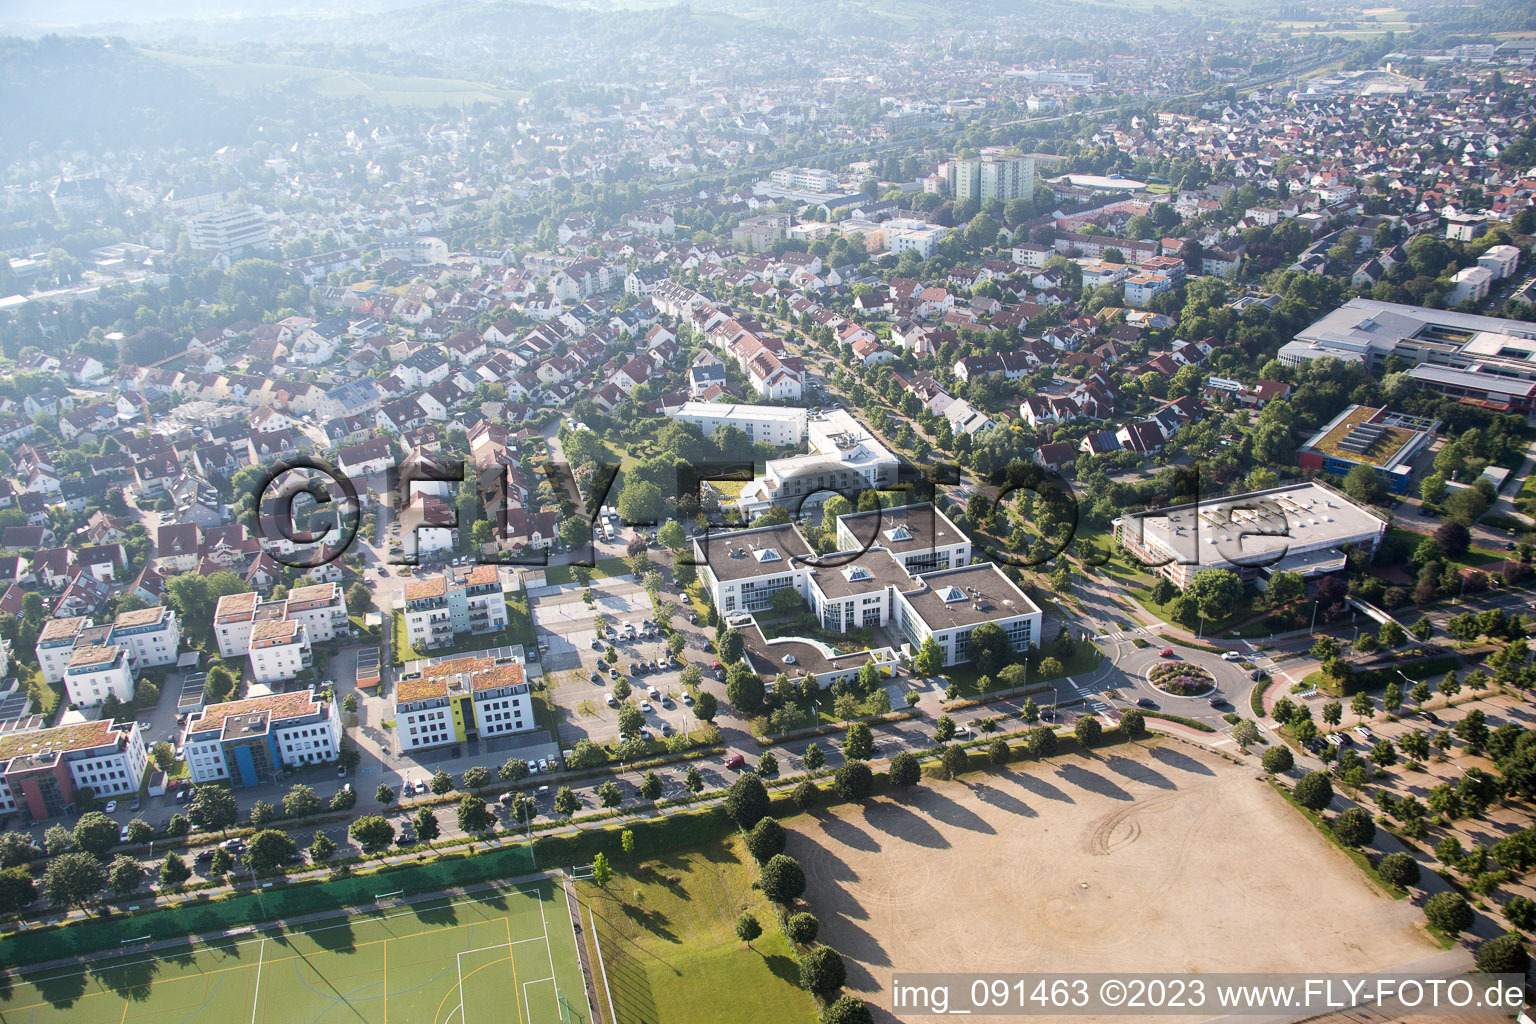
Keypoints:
pixel 746 802
pixel 343 800
pixel 631 721
pixel 1399 869
pixel 322 847
pixel 213 809
pixel 627 842
pixel 813 758
pixel 1505 954
pixel 1448 911
pixel 300 802
pixel 640 503
pixel 783 879
pixel 1042 741
pixel 372 832
pixel 765 840
pixel 1364 485
pixel 768 765
pixel 601 872
pixel 672 535
pixel 358 600
pixel 801 928
pixel 905 770
pixel 728 644
pixel 650 787
pixel 1133 723
pixel 220 863
pixel 512 770
pixel 859 743
pixel 72 878
pixel 1453 538
pixel 806 795
pixel 1314 791
pixel 747 928
pixel 474 815
pixel 955 761
pixel 1354 827
pixel 705 707
pixel 384 795
pixel 943 729
pixel 822 971
pixel 441 782
pixel 173 871
pixel 988 648
pixel 1277 760
pixel 17 889
pixel 1363 706
pixel 848 1009
pixel 853 781
pixel 270 850
pixel 1215 592
pixel 476 777
pixel 744 689
pixel 140 831
pixel 1088 730
pixel 930 658
pixel 125 874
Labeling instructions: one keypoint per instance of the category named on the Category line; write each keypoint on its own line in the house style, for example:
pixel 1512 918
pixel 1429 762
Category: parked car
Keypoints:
pixel 1431 716
pixel 645 706
pixel 688 699
pixel 122 833
pixel 544 764
pixel 533 767
pixel 111 806
pixel 1365 733
pixel 341 771
pixel 654 693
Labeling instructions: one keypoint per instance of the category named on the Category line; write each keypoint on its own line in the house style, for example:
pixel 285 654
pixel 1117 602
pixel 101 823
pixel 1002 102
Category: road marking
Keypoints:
pixel 256 999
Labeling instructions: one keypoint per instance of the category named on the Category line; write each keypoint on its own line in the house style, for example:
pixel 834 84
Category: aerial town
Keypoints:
pixel 634 507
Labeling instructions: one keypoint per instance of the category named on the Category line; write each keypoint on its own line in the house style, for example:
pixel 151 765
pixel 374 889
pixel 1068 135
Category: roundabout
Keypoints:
pixel 1181 679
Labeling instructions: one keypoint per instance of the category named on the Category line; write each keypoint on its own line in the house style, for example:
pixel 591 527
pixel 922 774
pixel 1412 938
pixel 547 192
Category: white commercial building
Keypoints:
pixel 246 742
pixel 903 234
pixel 844 458
pixel 231 233
pixel 921 584
pixel 1305 528
pixel 772 424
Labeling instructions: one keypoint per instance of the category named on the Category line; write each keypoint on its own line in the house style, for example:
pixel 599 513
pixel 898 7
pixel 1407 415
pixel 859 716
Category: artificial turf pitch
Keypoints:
pixel 490 957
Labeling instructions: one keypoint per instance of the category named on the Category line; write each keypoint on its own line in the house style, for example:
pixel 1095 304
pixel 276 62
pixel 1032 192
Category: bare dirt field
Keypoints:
pixel 1161 857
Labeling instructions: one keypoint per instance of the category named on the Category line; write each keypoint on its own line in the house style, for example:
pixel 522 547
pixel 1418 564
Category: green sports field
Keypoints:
pixel 491 957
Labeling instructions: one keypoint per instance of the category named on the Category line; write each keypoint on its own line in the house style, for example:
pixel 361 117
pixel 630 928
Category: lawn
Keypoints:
pixel 606 568
pixel 1085 658
pixel 666 928
pixel 1138 583
pixel 507 955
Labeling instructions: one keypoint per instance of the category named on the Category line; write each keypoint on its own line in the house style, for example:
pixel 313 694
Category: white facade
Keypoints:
pixel 804 179
pixel 231 233
pixel 768 423
pixel 1470 284
pixel 1501 260
pixel 279 650
pixel 151 635
pixel 95 672
pixel 908 235
pixel 844 457
pixel 112 772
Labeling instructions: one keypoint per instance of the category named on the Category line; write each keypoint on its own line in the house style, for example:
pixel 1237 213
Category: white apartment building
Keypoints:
pixel 245 742
pixel 151 635
pixel 232 619
pixel 95 671
pixel 55 643
pixel 231 233
pixel 844 458
pixel 1502 260
pixel 992 175
pixel 459 698
pixel 1470 284
pixel 772 424
pixel 456 601
pixel 279 649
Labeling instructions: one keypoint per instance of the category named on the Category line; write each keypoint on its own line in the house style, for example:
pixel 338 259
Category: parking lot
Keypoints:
pixel 581 680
